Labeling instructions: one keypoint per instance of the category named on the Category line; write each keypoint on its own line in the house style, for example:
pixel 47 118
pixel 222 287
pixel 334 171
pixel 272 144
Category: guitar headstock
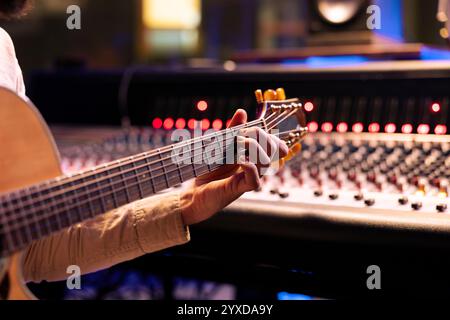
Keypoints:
pixel 283 117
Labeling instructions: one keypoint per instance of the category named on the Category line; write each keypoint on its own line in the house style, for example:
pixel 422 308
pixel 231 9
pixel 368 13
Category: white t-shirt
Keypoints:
pixel 10 73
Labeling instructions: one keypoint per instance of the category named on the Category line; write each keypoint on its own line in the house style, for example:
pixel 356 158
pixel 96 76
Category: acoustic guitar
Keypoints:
pixel 37 200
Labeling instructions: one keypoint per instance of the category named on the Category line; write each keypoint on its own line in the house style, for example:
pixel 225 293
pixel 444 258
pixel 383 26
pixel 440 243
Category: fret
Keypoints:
pixel 230 147
pixel 221 147
pixel 91 209
pixel 147 179
pixel 94 192
pixel 97 184
pixel 193 167
pixel 127 195
pixel 113 191
pixel 31 216
pixel 43 221
pixel 74 196
pixel 23 224
pixel 136 187
pixel 107 193
pixel 10 225
pixel 65 213
pixel 51 200
pixel 136 173
pixel 187 171
pixel 163 168
pixel 194 158
pixel 118 187
pixel 204 156
pixel 33 190
pixel 19 217
pixel 180 174
pixel 152 182
pixel 172 168
pixel 204 169
pixel 6 229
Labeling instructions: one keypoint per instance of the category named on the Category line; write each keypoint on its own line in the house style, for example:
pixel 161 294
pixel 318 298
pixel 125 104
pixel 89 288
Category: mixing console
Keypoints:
pixel 389 172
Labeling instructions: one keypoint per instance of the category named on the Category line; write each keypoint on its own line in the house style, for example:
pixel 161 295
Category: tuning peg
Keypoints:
pixel 289 156
pixel 293 151
pixel 281 94
pixel 270 95
pixel 296 148
pixel 259 96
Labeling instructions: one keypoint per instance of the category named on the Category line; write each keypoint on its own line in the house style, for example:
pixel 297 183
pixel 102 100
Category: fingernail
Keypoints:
pixel 285 147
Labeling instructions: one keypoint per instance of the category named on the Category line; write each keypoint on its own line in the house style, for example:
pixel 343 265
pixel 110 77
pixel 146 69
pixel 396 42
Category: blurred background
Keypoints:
pixel 155 65
pixel 116 34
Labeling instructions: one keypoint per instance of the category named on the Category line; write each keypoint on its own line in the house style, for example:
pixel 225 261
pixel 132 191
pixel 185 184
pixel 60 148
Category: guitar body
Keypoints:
pixel 28 156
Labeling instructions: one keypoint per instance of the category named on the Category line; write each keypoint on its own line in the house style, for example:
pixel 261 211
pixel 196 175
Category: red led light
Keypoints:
pixel 374 128
pixel 342 127
pixel 168 124
pixel 202 105
pixel 217 124
pixel 180 123
pixel 228 123
pixel 157 123
pixel 407 128
pixel 436 107
pixel 192 123
pixel 313 126
pixel 205 124
pixel 423 129
pixel 327 127
pixel 358 127
pixel 309 106
pixel 440 129
pixel 390 128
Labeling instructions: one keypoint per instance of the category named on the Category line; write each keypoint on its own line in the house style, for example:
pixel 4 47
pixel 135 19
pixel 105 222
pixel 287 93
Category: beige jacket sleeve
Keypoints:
pixel 146 226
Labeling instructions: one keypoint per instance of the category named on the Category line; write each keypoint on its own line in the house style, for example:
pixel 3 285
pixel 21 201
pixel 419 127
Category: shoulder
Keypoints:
pixel 6 45
pixel 4 36
pixel 10 73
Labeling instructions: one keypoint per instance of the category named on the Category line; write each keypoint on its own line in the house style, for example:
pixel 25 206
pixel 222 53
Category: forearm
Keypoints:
pixel 146 226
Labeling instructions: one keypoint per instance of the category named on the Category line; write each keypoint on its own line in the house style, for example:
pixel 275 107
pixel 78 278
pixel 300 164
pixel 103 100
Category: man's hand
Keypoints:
pixel 213 192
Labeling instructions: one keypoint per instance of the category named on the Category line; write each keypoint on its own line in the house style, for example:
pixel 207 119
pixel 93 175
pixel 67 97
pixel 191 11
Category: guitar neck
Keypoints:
pixel 38 211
